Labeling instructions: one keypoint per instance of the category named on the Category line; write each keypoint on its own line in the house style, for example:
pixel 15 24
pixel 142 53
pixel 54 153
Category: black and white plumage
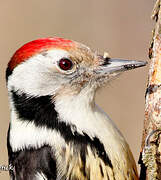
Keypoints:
pixel 57 132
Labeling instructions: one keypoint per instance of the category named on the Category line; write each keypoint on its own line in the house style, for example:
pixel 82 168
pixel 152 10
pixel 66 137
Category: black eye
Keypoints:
pixel 65 64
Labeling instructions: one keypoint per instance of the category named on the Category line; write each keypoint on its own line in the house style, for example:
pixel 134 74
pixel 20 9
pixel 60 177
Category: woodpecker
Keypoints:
pixel 56 131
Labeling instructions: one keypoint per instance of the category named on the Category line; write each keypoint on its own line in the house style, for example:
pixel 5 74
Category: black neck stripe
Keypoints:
pixel 41 111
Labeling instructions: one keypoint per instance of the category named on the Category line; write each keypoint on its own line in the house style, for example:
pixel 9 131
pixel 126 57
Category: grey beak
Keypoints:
pixel 119 65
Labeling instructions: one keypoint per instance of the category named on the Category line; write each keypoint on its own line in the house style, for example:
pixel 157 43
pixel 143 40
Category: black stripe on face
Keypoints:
pixel 41 111
pixel 8 73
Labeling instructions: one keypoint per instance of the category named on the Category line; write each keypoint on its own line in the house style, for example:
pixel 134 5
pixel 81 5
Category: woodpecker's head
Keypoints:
pixel 53 66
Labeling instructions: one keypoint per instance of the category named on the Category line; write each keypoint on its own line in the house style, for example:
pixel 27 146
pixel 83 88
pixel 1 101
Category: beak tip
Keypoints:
pixel 146 62
pixel 142 63
pixel 136 64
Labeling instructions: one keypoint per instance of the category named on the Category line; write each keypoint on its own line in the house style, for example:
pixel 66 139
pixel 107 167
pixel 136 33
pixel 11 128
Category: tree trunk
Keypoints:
pixel 150 158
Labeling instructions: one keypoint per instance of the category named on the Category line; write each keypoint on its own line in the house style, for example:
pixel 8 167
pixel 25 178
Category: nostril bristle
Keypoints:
pixel 106 61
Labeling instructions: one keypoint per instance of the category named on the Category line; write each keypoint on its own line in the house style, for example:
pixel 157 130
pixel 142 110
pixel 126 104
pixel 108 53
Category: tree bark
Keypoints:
pixel 150 158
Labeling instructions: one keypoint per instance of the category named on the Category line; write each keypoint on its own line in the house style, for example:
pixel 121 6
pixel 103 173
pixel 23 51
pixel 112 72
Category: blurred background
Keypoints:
pixel 122 28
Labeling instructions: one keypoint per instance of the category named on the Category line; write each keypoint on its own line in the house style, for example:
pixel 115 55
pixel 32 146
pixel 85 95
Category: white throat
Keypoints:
pixel 82 112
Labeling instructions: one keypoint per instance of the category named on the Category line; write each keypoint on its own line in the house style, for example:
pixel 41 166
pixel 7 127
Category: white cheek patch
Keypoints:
pixel 38 75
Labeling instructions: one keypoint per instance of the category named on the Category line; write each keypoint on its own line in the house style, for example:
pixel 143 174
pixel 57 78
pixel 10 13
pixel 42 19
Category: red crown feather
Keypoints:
pixel 37 46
